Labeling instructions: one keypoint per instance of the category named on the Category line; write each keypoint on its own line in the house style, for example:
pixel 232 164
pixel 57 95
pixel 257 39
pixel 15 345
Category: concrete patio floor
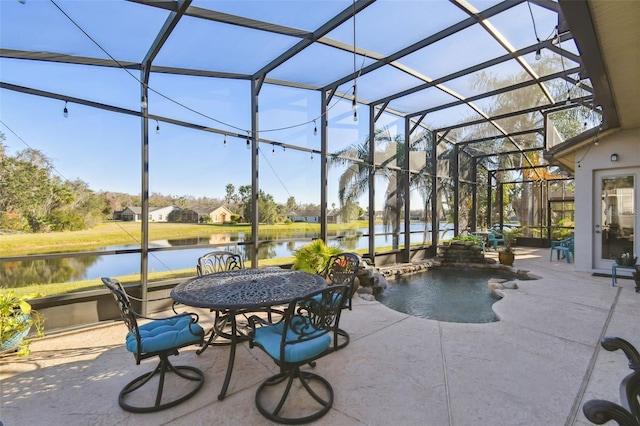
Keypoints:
pixel 536 366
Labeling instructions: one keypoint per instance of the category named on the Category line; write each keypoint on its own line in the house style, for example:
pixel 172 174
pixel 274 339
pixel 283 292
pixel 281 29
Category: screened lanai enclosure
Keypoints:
pixel 382 127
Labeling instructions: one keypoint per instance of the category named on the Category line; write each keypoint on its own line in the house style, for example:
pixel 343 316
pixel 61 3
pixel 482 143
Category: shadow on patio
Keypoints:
pixel 536 366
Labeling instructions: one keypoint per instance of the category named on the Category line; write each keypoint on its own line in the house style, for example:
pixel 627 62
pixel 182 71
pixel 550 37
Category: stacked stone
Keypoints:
pixel 460 252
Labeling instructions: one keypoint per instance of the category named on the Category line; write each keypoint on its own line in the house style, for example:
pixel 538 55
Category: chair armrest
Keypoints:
pixel 599 411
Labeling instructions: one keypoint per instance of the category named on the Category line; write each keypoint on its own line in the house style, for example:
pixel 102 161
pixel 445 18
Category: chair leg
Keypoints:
pixel 162 368
pixel 273 413
pixel 340 339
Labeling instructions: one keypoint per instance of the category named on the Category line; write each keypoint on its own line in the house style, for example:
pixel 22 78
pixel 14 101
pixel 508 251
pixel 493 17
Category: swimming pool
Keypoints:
pixel 446 294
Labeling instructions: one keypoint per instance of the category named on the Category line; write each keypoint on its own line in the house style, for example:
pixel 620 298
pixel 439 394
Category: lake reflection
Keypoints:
pixel 17 274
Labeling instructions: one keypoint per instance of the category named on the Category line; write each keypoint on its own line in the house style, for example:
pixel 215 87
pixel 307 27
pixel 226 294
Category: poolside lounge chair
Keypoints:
pixel 494 238
pixel 564 248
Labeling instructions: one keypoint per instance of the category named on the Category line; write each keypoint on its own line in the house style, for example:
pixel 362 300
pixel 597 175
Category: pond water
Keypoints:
pixel 17 274
pixel 446 294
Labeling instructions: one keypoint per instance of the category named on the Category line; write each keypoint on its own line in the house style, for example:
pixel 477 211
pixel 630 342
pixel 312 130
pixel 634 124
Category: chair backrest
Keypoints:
pixel 495 235
pixel 342 269
pixel 124 305
pixel 219 261
pixel 314 316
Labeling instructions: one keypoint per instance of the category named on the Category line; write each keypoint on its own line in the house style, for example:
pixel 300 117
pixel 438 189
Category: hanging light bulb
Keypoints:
pixel 143 102
pixel 273 149
pixel 65 111
pixel 248 141
pixel 538 54
pixel 157 127
pixel 225 141
pixel 568 102
pixel 315 129
pixel 311 155
pixel 354 104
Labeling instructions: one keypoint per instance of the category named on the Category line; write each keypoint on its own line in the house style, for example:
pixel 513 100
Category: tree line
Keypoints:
pixel 34 198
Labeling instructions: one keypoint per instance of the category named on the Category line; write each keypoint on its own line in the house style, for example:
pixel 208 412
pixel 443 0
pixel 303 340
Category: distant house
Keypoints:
pixel 333 216
pixel 131 214
pixel 219 214
pixel 156 214
pixel 161 214
pixel 183 216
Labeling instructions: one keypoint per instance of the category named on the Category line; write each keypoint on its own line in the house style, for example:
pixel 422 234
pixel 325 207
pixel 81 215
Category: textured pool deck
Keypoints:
pixel 536 366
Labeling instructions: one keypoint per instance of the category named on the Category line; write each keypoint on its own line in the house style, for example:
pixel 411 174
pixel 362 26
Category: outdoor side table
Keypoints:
pixel 614 268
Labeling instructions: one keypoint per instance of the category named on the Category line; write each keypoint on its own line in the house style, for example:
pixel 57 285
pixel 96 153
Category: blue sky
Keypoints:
pixel 103 148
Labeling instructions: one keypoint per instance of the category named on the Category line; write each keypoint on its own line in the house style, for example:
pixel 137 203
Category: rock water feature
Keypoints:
pixel 373 281
pixel 462 252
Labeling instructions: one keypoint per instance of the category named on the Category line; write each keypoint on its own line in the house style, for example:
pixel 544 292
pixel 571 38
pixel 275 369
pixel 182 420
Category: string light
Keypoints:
pixel 311 155
pixel 315 128
pixel 248 141
pixel 354 104
pixel 143 102
pixel 65 111
pixel 273 148
pixel 157 127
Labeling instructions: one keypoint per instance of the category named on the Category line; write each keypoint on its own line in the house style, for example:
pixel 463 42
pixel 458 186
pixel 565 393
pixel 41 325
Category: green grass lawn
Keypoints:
pixel 117 233
pixel 120 233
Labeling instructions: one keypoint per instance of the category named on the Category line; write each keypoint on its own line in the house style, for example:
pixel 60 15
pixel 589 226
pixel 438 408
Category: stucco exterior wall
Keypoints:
pixel 589 160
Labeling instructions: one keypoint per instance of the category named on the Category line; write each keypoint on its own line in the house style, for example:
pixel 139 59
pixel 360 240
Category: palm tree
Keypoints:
pixel 354 181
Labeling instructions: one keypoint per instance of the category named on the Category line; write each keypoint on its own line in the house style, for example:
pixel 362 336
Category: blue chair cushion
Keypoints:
pixel 160 335
pixel 270 338
pixel 335 298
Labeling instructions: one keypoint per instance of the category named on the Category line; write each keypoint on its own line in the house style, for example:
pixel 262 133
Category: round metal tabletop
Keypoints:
pixel 246 288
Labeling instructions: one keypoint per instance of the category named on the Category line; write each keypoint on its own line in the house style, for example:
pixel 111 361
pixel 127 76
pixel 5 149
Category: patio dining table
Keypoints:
pixel 244 290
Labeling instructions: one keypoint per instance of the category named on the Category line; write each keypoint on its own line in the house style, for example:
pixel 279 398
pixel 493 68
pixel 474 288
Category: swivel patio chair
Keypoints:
pixel 303 336
pixel 161 337
pixel 563 248
pixel 342 269
pixel 599 411
pixel 218 261
pixel 494 238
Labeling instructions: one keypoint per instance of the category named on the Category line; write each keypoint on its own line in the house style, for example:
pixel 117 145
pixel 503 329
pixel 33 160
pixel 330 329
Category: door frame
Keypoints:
pixel 596 235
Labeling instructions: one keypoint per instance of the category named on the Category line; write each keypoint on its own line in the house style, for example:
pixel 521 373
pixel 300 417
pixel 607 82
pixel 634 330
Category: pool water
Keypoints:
pixel 445 294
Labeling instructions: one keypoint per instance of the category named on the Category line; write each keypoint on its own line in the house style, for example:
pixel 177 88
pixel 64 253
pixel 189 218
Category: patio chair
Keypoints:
pixel 342 269
pixel 601 411
pixel 303 336
pixel 160 337
pixel 564 248
pixel 494 238
pixel 218 261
